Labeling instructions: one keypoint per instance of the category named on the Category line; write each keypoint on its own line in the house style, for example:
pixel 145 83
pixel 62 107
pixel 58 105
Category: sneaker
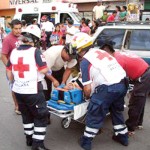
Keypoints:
pixel 123 139
pixel 17 112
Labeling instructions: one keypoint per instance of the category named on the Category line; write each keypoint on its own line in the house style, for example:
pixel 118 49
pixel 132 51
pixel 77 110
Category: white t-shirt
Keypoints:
pixel 98 11
pixel 48 26
pixel 71 30
pixel 54 59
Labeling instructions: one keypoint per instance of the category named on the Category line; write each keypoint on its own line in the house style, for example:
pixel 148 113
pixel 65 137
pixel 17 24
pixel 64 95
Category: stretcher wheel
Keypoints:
pixel 65 123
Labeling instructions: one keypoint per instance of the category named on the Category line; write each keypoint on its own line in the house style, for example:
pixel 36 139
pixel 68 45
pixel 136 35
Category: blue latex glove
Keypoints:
pixel 61 85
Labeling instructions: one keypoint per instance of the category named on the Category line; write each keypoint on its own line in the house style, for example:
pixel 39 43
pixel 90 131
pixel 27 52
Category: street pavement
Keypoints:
pixel 57 138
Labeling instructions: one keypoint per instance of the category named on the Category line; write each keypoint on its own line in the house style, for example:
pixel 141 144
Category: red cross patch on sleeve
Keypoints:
pixel 43 58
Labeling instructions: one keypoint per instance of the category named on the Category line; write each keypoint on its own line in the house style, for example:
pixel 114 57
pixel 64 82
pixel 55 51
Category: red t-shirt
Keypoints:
pixel 10 42
pixel 132 64
pixel 111 18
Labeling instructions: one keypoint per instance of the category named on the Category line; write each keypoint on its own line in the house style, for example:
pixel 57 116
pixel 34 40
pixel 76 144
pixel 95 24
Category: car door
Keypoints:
pixel 137 41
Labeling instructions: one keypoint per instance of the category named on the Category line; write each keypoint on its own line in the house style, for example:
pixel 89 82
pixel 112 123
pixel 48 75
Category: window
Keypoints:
pixel 29 17
pixel 115 35
pixel 63 17
pixel 50 16
pixel 76 15
pixel 139 40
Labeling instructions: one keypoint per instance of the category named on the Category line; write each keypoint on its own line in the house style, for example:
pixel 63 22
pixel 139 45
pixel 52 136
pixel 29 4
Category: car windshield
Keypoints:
pixel 114 35
pixel 139 40
pixel 76 15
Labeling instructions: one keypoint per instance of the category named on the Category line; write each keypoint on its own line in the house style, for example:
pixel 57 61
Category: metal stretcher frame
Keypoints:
pixel 66 115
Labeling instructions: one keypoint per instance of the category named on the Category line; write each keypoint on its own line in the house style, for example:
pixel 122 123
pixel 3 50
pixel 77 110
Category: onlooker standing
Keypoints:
pixel 34 21
pixel 98 10
pixel 118 10
pixel 1 34
pixel 111 18
pixel 43 39
pixel 10 42
pixel 56 36
pixel 94 27
pixel 123 13
pixel 24 25
pixel 71 30
pixel 48 27
pixel 105 16
pixel 63 30
pixel 81 22
pixel 85 28
pixel 7 28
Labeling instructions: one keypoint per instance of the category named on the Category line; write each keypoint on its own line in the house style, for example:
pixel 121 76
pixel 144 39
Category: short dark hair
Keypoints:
pixel 118 7
pixel 114 12
pixel 23 22
pixel 70 21
pixel 125 7
pixel 15 22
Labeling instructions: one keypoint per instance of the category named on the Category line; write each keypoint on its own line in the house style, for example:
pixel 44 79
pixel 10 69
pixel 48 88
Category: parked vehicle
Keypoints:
pixel 133 37
pixel 57 12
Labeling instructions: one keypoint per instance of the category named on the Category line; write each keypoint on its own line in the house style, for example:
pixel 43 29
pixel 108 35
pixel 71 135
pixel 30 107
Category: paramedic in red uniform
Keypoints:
pixel 10 42
pixel 138 71
pixel 26 69
pixel 105 86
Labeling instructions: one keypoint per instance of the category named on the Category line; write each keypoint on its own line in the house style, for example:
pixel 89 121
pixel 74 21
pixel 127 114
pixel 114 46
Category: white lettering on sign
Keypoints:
pixel 13 3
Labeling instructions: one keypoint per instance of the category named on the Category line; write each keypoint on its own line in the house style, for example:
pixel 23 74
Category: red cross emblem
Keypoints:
pixel 103 55
pixel 20 67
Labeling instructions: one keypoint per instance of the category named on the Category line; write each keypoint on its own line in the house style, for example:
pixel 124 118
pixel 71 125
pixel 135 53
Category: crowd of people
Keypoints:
pixel 104 72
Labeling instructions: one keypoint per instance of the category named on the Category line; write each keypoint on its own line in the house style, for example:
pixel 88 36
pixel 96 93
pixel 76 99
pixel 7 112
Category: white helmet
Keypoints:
pixel 34 30
pixel 81 40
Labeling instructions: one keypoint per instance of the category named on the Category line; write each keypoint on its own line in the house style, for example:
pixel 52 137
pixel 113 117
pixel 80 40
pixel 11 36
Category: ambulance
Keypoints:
pixel 57 12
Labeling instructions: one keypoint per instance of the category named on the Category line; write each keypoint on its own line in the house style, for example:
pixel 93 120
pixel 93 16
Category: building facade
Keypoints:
pixel 7 7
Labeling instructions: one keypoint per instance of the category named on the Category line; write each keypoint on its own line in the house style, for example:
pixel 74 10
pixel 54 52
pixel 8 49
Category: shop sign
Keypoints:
pixel 14 3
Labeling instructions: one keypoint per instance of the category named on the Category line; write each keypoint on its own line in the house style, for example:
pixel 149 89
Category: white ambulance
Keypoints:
pixel 57 12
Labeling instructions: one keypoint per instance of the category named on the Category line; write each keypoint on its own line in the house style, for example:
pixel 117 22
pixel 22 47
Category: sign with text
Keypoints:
pixel 14 3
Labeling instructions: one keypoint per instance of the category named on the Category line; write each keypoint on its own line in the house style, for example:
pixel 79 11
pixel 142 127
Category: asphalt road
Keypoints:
pixel 57 138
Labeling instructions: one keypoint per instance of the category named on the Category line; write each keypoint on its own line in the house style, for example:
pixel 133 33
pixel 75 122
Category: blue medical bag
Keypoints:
pixel 70 98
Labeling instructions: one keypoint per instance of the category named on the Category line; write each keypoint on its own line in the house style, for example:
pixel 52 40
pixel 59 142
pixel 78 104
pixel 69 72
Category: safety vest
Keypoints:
pixel 24 70
pixel 107 65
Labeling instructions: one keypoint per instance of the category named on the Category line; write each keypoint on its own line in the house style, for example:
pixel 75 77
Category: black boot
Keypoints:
pixel 38 145
pixel 40 148
pixel 86 143
pixel 29 140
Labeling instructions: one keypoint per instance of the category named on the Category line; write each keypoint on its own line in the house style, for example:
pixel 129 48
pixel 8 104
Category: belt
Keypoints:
pixel 139 78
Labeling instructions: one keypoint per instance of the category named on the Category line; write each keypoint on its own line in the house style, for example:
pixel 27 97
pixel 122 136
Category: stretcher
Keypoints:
pixel 68 105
